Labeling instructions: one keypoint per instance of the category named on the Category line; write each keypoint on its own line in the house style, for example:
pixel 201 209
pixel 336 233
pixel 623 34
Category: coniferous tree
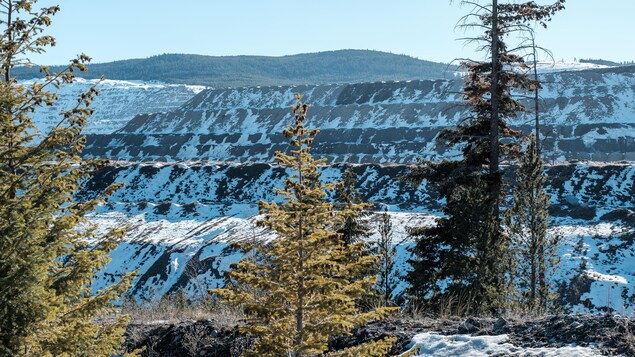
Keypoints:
pixel 534 250
pixel 355 226
pixel 466 250
pixel 387 279
pixel 49 253
pixel 305 285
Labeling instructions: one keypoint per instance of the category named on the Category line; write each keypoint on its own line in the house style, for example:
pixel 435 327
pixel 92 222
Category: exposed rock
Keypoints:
pixel 598 188
pixel 189 338
pixel 184 218
pixel 610 334
pixel 587 115
pixel 118 102
pixel 499 324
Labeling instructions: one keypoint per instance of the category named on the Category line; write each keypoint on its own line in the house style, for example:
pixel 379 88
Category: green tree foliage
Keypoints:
pixel 388 278
pixel 343 66
pixel 49 254
pixel 465 252
pixel 534 251
pixel 300 291
pixel 355 226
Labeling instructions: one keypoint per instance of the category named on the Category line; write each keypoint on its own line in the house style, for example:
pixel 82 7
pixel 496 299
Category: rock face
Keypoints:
pixel 184 218
pixel 196 169
pixel 118 102
pixel 587 115
pixel 590 192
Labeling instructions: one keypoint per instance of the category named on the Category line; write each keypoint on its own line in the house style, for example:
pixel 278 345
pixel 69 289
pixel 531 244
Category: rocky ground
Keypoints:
pixel 610 334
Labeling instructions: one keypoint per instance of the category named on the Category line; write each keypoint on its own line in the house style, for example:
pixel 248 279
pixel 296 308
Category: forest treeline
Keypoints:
pixel 343 66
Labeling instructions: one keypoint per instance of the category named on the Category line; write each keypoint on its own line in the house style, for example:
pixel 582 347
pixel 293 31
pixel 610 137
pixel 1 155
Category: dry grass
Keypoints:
pixel 174 309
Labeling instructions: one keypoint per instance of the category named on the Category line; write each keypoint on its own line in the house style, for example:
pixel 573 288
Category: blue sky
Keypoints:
pixel 111 30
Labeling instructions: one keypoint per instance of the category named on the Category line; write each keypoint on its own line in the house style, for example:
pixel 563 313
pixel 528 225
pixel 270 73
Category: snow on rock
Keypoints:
pixel 583 192
pixel 594 275
pixel 118 102
pixel 560 66
pixel 199 240
pixel 191 212
pixel 173 252
pixel 184 215
pixel 437 345
pixel 597 270
pixel 586 115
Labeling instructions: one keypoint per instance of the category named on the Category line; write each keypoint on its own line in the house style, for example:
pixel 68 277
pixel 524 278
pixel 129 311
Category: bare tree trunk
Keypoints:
pixel 7 78
pixel 7 63
pixel 495 101
pixel 299 313
pixel 536 97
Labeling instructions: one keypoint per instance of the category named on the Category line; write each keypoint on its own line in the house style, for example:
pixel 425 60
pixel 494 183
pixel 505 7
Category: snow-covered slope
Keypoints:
pixel 561 66
pixel 586 114
pixel 183 219
pixel 186 210
pixel 175 247
pixel 118 102
pixel 587 192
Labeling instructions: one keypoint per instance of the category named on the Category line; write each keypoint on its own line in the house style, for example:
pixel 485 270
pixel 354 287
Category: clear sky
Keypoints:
pixel 110 30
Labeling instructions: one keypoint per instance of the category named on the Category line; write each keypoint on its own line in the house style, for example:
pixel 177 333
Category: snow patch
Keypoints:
pixel 437 345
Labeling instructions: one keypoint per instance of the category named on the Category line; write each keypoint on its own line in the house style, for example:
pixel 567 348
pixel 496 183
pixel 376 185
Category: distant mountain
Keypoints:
pixel 343 66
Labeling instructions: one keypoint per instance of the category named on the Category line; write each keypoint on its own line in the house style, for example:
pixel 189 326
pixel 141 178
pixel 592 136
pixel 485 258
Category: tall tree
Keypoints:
pixel 533 249
pixel 305 285
pixel 49 253
pixel 348 200
pixel 387 276
pixel 467 247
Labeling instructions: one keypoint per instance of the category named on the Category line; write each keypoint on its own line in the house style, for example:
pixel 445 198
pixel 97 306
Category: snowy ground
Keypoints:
pixel 118 102
pixel 560 66
pixel 433 344
pixel 177 249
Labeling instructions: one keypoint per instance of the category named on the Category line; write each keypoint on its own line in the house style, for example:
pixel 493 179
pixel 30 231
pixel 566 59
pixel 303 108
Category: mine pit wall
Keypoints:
pixel 183 218
pixel 579 191
pixel 185 213
pixel 584 142
pixel 585 115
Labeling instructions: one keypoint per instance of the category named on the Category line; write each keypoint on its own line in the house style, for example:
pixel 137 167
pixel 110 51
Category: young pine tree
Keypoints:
pixel 305 284
pixel 533 249
pixel 49 254
pixel 355 226
pixel 387 279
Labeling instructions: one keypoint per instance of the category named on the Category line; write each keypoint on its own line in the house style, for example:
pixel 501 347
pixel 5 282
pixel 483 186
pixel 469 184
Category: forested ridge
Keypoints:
pixel 329 67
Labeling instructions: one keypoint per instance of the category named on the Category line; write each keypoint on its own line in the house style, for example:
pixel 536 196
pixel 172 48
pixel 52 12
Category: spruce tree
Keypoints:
pixel 305 284
pixel 467 249
pixel 49 253
pixel 533 249
pixel 348 200
pixel 387 279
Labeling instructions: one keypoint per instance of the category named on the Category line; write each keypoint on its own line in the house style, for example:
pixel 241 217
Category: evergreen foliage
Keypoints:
pixel 466 250
pixel 305 283
pixel 49 254
pixel 355 226
pixel 388 278
pixel 343 66
pixel 534 251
